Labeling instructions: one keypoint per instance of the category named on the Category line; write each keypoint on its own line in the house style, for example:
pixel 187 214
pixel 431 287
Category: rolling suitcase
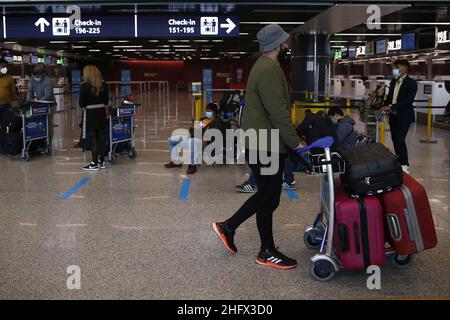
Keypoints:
pixel 409 222
pixel 359 230
pixel 371 169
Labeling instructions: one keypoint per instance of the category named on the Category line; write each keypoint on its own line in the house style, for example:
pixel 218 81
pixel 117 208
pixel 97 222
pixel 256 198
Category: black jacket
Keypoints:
pixel 403 109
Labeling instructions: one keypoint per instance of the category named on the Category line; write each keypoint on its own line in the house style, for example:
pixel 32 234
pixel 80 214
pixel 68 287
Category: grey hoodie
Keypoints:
pixel 345 133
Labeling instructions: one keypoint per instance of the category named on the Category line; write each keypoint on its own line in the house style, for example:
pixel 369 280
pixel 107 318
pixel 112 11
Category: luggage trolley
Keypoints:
pixel 373 120
pixel 121 130
pixel 35 125
pixel 319 235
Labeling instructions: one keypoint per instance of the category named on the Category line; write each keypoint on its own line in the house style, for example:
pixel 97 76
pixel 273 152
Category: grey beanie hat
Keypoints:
pixel 270 37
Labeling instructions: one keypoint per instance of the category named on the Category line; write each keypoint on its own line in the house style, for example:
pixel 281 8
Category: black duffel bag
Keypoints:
pixel 371 169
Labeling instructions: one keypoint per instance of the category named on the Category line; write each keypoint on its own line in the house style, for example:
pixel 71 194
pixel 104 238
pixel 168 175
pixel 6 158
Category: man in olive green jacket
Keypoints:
pixel 267 112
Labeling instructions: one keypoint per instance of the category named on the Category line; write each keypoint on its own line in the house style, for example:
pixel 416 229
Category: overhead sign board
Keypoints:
pixel 2 31
pixel 118 26
pixel 187 27
pixel 61 27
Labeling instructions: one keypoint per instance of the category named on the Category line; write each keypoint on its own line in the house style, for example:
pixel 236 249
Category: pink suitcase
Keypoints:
pixel 359 230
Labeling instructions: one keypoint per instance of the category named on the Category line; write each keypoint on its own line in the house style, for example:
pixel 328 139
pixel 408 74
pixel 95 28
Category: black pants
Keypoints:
pixel 263 202
pixel 98 145
pixel 399 130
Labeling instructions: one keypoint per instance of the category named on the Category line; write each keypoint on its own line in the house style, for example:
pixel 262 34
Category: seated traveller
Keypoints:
pixel 193 146
pixel 344 127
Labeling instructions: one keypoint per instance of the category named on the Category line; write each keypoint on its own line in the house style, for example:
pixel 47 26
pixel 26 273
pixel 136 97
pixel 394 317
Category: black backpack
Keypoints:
pixel 318 125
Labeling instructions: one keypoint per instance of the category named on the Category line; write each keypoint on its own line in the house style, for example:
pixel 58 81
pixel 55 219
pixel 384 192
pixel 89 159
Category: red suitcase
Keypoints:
pixel 359 230
pixel 410 227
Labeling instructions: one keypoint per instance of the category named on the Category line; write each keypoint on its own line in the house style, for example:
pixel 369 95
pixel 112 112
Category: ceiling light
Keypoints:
pixel 243 33
pixel 153 40
pixel 58 41
pixel 139 46
pixel 413 23
pixel 106 41
pixel 368 34
pixel 78 47
pixel 272 22
pixel 94 50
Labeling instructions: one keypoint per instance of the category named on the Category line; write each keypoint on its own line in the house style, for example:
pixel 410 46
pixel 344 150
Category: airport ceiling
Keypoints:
pixel 252 16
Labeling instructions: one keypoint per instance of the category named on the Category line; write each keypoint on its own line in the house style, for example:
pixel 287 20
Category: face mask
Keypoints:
pixel 283 53
pixel 4 70
pixel 334 120
pixel 209 114
pixel 37 78
pixel 396 72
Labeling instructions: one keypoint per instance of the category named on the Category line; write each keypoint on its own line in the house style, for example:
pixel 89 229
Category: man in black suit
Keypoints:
pixel 399 105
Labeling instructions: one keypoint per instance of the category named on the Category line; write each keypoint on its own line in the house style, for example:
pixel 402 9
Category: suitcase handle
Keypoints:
pixel 394 226
pixel 343 237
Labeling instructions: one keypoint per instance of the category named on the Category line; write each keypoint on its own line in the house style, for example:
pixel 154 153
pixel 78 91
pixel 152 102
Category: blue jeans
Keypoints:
pixel 288 173
pixel 193 148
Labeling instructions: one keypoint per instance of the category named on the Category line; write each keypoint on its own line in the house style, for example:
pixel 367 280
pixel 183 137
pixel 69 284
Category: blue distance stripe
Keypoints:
pixel 292 194
pixel 417 147
pixel 74 189
pixel 184 191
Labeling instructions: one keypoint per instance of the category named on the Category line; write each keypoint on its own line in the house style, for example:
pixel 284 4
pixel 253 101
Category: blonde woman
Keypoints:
pixel 93 99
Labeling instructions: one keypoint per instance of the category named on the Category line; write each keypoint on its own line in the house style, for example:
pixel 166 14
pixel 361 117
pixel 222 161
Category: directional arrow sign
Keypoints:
pixel 230 25
pixel 42 23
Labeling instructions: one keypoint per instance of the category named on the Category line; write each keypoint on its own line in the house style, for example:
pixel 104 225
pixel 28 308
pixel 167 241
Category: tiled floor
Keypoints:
pixel 132 237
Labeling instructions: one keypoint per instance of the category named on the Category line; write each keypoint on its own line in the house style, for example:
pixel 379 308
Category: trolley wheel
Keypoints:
pixel 401 261
pixel 25 156
pixel 313 236
pixel 48 150
pixel 322 269
pixel 112 159
pixel 133 153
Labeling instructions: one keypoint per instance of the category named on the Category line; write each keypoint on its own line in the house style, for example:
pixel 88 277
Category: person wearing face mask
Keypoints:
pixel 193 145
pixel 7 96
pixel 267 109
pixel 399 106
pixel 40 87
pixel 344 127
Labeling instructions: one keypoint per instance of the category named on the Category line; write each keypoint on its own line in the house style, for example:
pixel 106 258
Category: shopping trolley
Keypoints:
pixel 35 125
pixel 121 130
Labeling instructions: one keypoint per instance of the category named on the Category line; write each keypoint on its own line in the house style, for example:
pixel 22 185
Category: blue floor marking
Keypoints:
pixel 414 146
pixel 184 191
pixel 292 194
pixel 74 189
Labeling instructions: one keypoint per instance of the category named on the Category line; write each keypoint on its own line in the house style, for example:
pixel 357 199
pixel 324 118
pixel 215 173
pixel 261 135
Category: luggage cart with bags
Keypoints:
pixel 35 126
pixel 370 114
pixel 121 131
pixel 348 231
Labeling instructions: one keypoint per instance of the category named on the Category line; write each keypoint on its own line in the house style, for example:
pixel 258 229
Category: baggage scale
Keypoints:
pixel 319 235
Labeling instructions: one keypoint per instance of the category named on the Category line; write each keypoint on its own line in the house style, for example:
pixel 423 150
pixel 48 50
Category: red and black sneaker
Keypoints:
pixel 225 235
pixel 275 259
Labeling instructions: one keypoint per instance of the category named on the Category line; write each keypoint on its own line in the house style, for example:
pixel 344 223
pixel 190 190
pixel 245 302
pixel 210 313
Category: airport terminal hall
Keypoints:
pixel 224 151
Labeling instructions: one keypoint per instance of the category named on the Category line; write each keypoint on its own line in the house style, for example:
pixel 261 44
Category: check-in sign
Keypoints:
pixel 61 27
pixel 187 27
pixel 115 26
